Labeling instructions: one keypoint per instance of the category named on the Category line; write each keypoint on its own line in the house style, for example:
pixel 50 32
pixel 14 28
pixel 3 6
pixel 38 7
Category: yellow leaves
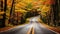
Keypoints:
pixel 35 4
pixel 17 5
pixel 23 4
pixel 9 2
pixel 1 12
pixel 20 10
pixel 45 8
pixel 41 1
pixel 20 5
pixel 7 14
pixel 27 1
pixel 41 6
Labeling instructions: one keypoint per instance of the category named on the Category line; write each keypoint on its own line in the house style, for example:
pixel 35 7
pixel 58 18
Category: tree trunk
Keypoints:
pixel 1 10
pixel 5 8
pixel 11 10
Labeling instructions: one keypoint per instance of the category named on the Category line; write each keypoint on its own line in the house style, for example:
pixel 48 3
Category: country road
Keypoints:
pixel 24 29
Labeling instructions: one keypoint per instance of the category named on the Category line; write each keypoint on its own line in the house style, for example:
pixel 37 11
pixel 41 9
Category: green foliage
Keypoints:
pixel 29 6
pixel 44 19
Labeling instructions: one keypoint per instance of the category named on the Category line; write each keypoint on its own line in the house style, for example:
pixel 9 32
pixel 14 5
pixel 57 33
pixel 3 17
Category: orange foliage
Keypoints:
pixel 9 2
pixel 49 2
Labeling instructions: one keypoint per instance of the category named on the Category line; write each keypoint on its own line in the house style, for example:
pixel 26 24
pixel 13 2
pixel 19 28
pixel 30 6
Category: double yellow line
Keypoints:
pixel 31 31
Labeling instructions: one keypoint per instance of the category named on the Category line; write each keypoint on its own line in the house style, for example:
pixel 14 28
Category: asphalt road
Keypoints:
pixel 24 29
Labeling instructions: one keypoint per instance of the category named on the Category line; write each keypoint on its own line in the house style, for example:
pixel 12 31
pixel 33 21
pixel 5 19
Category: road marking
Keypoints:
pixel 31 31
pixel 51 30
pixel 13 28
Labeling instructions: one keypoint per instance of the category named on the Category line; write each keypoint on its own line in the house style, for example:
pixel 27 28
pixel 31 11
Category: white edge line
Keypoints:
pixel 10 29
pixel 7 30
pixel 53 31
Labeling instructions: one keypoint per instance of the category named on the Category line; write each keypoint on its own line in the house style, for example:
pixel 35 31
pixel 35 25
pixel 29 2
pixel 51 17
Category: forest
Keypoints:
pixel 13 12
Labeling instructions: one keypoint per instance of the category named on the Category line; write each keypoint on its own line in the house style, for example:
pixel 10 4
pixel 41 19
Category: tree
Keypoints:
pixel 11 20
pixel 55 9
pixel 5 8
pixel 1 10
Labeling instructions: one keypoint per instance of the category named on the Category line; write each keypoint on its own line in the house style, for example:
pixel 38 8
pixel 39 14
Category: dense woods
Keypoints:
pixel 14 12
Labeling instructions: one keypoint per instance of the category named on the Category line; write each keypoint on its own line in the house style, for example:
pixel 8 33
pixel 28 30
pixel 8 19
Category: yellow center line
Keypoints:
pixel 31 31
